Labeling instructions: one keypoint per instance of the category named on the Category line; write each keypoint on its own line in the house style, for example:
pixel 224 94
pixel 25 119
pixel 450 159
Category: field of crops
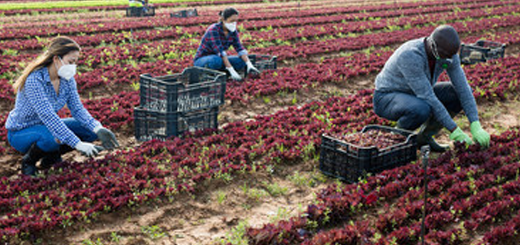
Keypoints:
pixel 256 179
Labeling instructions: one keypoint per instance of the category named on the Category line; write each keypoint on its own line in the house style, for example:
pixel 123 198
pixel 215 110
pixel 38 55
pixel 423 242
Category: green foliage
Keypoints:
pixel 135 86
pixel 115 237
pixel 12 52
pixel 226 177
pixel 266 99
pixel 294 98
pixel 281 214
pixel 301 180
pixel 237 235
pixel 275 189
pixel 114 107
pixel 154 232
pixel 221 197
pixel 90 242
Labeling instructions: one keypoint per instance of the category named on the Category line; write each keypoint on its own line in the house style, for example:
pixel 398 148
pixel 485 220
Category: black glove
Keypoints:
pixel 108 139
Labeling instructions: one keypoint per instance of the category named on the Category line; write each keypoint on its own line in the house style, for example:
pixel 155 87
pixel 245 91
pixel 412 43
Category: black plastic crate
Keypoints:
pixel 350 162
pixel 185 13
pixel 194 89
pixel 263 62
pixel 161 125
pixel 481 51
pixel 139 12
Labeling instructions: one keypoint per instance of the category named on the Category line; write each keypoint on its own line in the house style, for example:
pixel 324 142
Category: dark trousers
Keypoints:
pixel 409 111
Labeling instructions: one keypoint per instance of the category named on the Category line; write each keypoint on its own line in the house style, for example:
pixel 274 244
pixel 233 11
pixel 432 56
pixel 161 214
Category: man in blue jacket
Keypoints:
pixel 407 90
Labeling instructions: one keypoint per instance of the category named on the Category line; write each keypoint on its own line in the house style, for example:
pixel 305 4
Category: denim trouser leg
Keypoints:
pixel 237 62
pixel 409 111
pixel 215 62
pixel 83 133
pixel 210 61
pixel 22 140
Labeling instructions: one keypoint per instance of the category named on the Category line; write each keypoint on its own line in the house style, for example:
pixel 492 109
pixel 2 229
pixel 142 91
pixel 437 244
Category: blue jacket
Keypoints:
pixel 407 71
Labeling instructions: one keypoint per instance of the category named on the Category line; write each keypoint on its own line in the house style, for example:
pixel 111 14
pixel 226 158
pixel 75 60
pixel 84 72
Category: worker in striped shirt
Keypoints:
pixel 34 127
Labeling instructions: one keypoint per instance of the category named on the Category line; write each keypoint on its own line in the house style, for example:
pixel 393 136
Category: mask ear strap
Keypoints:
pixel 433 47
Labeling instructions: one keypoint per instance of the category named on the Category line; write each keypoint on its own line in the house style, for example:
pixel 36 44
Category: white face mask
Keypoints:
pixel 66 71
pixel 231 26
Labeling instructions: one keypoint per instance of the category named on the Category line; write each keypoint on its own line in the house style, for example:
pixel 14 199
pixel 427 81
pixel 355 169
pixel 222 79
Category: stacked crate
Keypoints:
pixel 185 13
pixel 139 11
pixel 481 51
pixel 175 104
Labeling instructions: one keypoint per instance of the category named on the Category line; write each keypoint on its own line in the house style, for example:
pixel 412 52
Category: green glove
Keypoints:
pixel 460 136
pixel 479 134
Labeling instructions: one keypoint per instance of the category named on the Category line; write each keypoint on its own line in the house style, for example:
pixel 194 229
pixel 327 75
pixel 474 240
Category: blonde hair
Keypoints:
pixel 59 46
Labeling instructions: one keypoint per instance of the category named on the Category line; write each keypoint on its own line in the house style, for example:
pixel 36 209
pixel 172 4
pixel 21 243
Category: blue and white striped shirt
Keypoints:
pixel 38 104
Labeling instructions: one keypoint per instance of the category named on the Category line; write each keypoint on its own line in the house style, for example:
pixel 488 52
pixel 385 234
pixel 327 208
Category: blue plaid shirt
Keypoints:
pixel 215 42
pixel 37 103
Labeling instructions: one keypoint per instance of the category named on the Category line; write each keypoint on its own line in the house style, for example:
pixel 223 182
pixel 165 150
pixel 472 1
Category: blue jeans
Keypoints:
pixel 409 111
pixel 215 62
pixel 22 140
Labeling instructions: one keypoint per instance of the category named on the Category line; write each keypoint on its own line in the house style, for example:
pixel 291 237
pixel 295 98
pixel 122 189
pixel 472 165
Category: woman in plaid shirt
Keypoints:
pixel 34 127
pixel 217 39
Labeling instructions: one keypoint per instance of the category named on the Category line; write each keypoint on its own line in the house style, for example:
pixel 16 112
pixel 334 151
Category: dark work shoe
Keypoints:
pixel 49 160
pixel 54 157
pixel 29 160
pixel 428 140
pixel 28 168
pixel 425 136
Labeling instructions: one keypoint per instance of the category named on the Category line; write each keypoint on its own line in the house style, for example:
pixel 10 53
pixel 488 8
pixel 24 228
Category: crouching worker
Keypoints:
pixel 407 90
pixel 217 39
pixel 34 127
